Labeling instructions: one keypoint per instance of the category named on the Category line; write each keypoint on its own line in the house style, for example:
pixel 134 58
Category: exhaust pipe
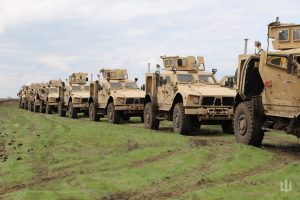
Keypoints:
pixel 246 46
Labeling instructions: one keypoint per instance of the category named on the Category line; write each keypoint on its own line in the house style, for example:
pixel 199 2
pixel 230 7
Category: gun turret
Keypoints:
pixel 114 74
pixel 189 63
pixel 78 78
pixel 284 36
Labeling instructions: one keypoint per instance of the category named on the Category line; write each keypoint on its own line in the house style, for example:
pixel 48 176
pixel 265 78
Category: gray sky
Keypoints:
pixel 49 39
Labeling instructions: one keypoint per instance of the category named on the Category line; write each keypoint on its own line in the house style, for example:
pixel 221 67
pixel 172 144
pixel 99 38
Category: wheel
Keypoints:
pixel 61 109
pixel 42 108
pixel 181 121
pixel 150 120
pixel 247 126
pixel 72 111
pixel 49 108
pixel 112 114
pixel 126 118
pixel 35 108
pixel 93 112
pixel 227 127
pixel 30 107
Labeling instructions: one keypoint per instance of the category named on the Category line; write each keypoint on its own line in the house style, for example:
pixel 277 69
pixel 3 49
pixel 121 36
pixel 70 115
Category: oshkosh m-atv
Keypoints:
pixel 49 100
pixel 22 97
pixel 74 95
pixel 268 87
pixel 178 95
pixel 115 96
pixel 33 100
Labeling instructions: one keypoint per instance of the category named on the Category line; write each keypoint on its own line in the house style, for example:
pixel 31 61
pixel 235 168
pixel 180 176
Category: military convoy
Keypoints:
pixel 115 96
pixel 179 95
pixel 74 95
pixel 263 95
pixel 268 94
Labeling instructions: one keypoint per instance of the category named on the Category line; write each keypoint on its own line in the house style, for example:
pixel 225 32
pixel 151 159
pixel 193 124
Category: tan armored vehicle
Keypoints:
pixel 22 97
pixel 115 96
pixel 178 95
pixel 268 87
pixel 33 97
pixel 40 95
pixel 49 97
pixel 74 95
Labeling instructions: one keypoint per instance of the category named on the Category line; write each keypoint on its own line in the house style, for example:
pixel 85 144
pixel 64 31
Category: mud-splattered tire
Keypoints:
pixel 49 109
pixel 227 127
pixel 150 120
pixel 247 126
pixel 93 112
pixel 113 115
pixel 181 121
pixel 61 110
pixel 72 111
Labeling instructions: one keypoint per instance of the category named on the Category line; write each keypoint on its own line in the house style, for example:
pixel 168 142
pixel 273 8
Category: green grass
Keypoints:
pixel 59 158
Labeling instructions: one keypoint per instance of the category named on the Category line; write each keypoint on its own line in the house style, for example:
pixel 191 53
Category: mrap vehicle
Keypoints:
pixel 177 94
pixel 268 84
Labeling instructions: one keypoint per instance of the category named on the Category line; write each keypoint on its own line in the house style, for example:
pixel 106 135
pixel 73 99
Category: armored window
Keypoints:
pixel 131 85
pixel 86 88
pixel 166 63
pixel 296 35
pixel 181 62
pixel 76 88
pixel 168 79
pixel 208 79
pixel 171 62
pixel 277 61
pixel 283 35
pixel 116 85
pixel 185 78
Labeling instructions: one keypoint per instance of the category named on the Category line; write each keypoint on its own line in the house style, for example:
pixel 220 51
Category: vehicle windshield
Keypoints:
pixel 86 88
pixel 208 79
pixel 185 78
pixel 76 88
pixel 115 86
pixel 131 85
pixel 53 90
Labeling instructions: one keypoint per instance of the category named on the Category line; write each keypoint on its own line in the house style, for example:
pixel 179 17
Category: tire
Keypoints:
pixel 181 121
pixel 227 127
pixel 61 110
pixel 72 111
pixel 42 108
pixel 49 109
pixel 113 115
pixel 93 112
pixel 35 108
pixel 150 120
pixel 247 126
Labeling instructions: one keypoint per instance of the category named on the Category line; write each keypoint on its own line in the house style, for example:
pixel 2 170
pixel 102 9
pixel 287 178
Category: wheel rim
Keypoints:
pixel 110 113
pixel 242 124
pixel 147 116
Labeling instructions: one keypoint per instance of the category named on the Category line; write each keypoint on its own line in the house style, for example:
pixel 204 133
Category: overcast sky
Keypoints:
pixel 49 39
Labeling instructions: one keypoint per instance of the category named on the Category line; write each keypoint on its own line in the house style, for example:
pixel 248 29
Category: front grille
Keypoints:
pixel 142 100
pixel 129 100
pixel 227 101
pixel 85 100
pixel 134 101
pixel 208 101
pixel 218 102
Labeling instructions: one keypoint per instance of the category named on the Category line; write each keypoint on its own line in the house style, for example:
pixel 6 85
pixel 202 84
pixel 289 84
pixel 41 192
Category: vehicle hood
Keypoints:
pixel 129 93
pixel 81 94
pixel 207 90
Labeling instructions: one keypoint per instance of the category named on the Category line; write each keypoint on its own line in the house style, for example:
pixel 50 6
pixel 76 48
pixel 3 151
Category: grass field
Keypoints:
pixel 49 157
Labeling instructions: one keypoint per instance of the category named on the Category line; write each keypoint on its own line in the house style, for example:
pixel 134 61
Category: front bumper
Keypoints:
pixel 130 108
pixel 83 106
pixel 211 113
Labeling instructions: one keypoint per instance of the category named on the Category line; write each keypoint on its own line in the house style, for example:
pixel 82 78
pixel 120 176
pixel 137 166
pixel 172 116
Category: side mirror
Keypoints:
pixel 143 87
pixel 136 79
pixel 214 71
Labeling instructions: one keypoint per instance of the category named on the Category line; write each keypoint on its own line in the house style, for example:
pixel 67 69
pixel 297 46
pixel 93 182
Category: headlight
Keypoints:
pixel 196 100
pixel 121 100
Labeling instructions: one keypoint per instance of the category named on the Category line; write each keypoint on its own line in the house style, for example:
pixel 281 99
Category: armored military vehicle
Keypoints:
pixel 50 97
pixel 22 97
pixel 41 93
pixel 74 95
pixel 178 95
pixel 115 96
pixel 268 87
pixel 32 96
